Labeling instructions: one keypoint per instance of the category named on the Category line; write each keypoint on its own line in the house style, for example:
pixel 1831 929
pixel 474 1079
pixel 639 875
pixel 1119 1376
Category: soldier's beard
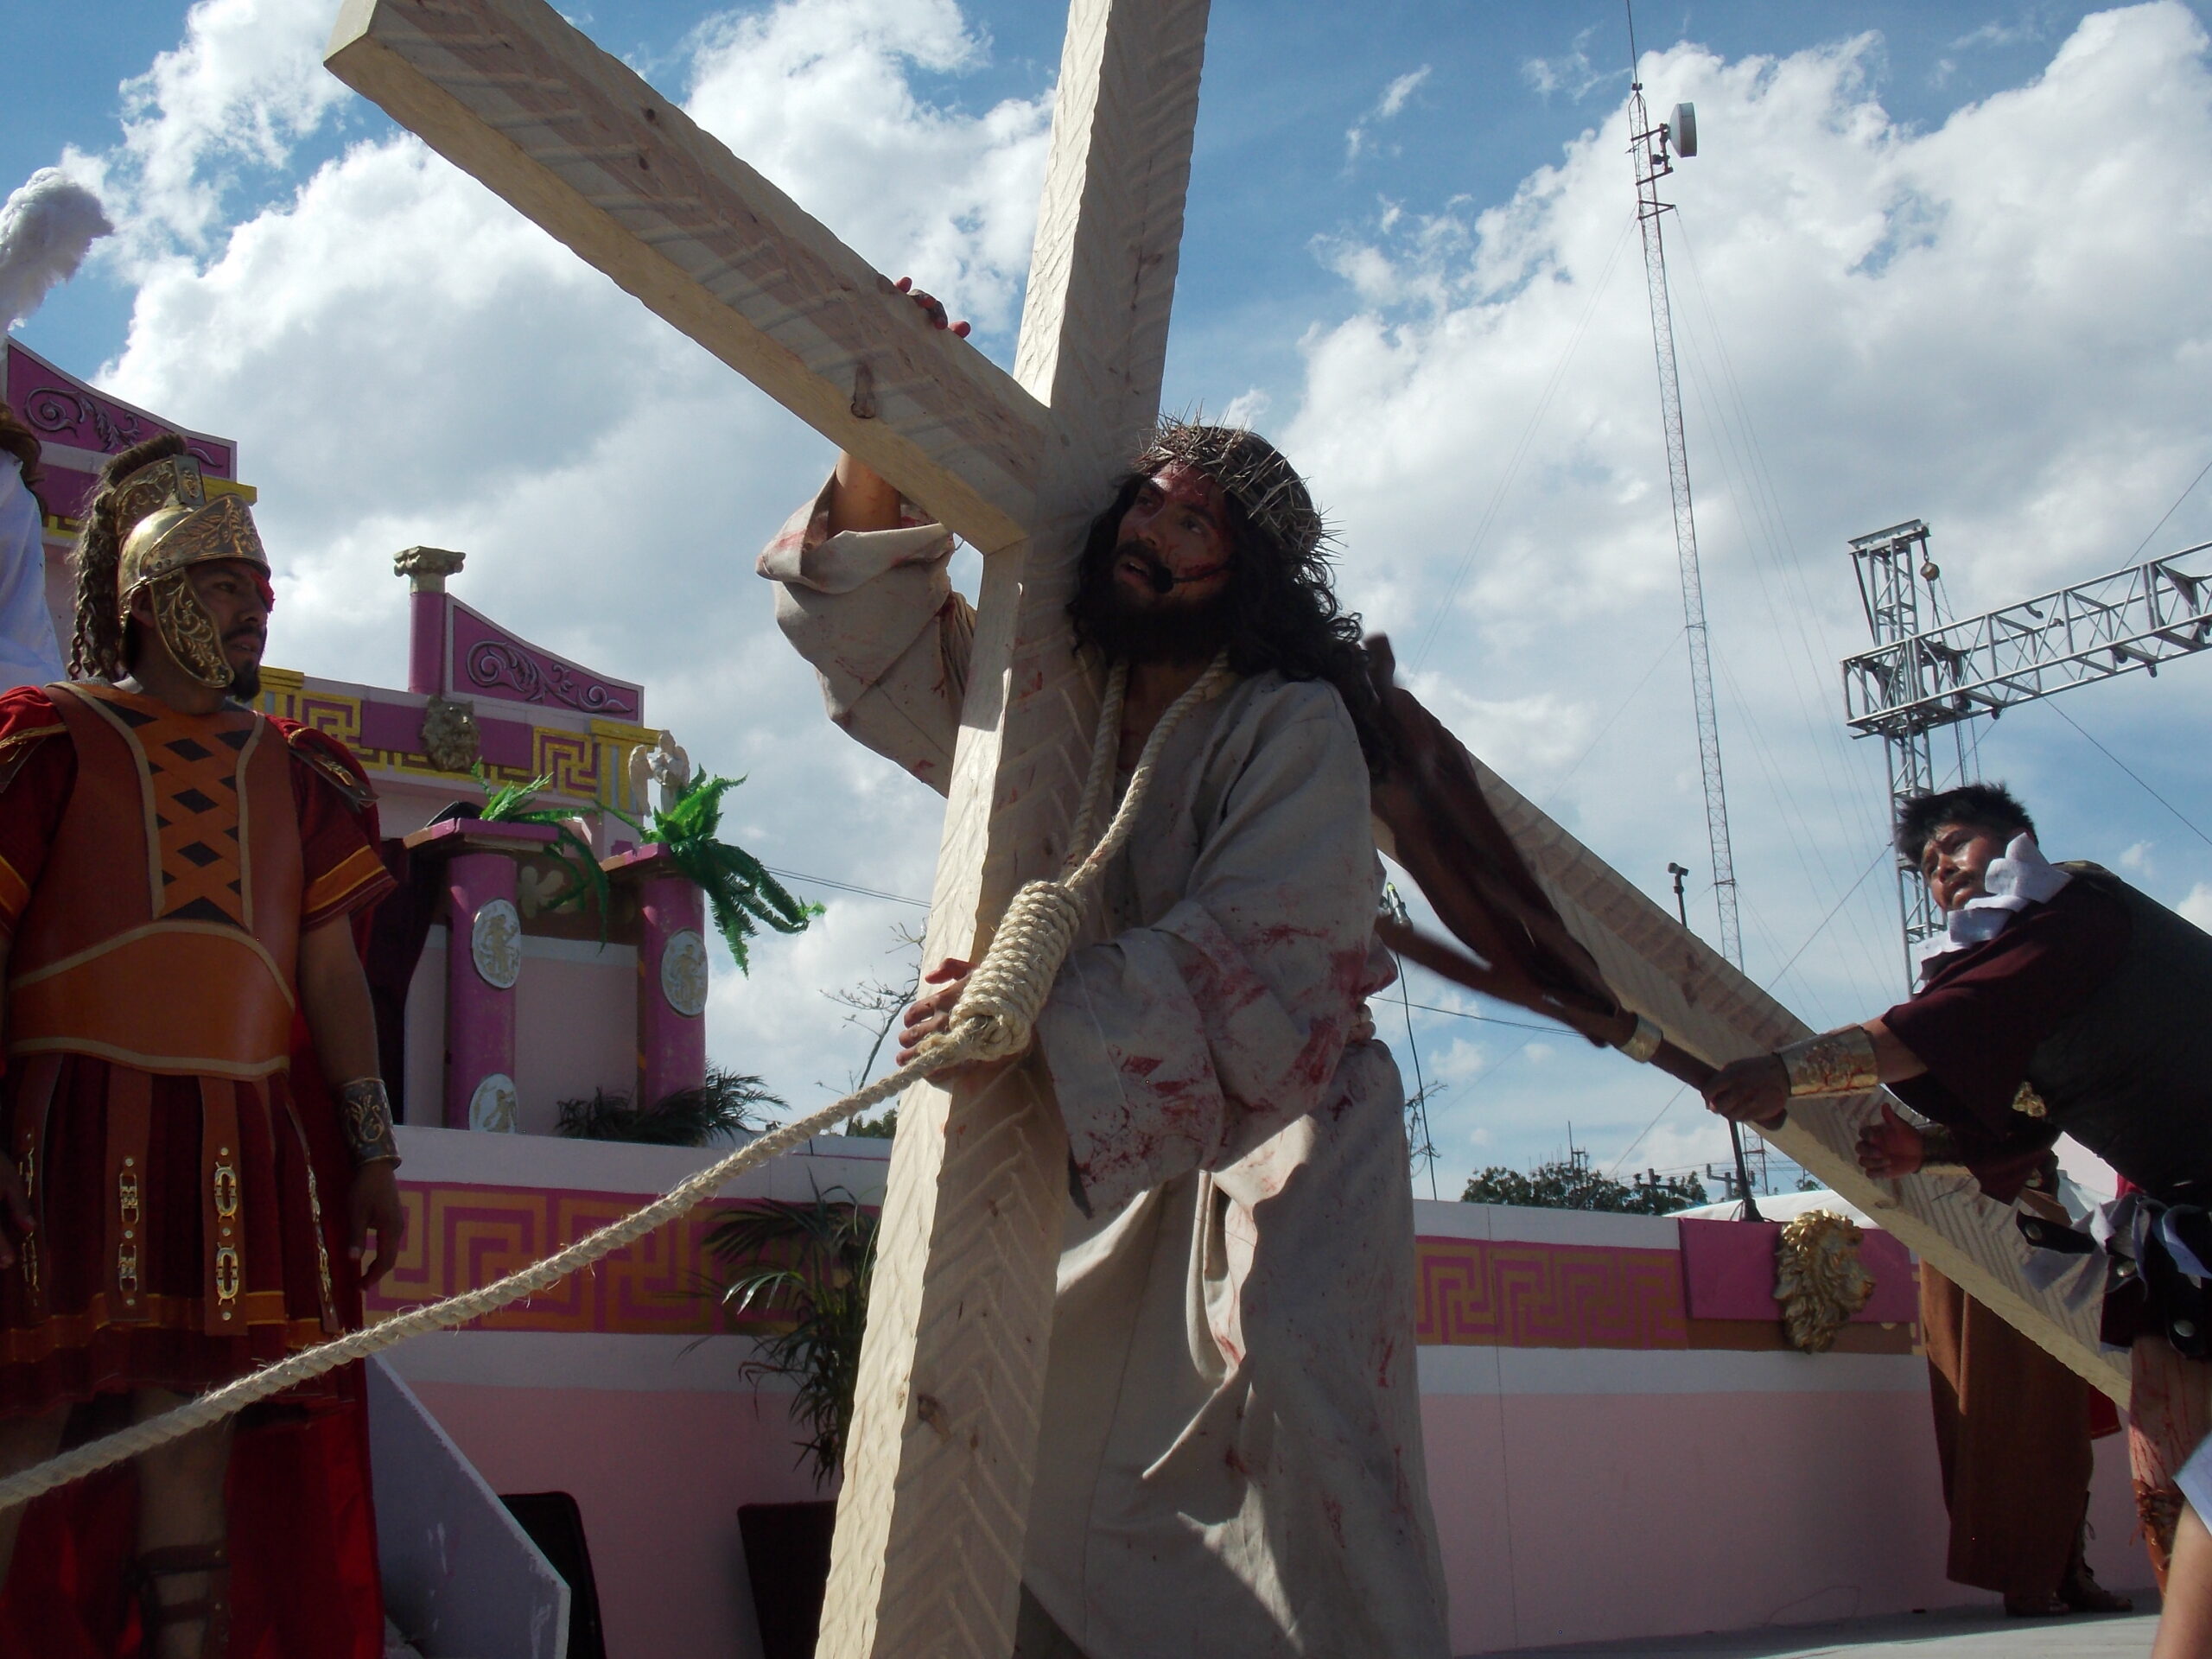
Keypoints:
pixel 1118 622
pixel 245 682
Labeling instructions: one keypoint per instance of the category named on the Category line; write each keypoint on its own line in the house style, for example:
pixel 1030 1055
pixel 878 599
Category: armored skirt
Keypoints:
pixel 189 1218
pixel 217 1260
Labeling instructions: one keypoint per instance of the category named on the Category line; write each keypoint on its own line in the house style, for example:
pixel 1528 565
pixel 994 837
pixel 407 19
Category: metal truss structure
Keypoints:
pixel 1920 678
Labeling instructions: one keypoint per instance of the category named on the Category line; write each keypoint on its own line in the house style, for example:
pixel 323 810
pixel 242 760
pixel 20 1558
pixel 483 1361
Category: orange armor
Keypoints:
pixel 163 938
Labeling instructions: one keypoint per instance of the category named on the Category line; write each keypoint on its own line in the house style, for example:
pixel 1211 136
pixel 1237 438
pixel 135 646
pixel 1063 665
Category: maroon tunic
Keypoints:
pixel 1980 1014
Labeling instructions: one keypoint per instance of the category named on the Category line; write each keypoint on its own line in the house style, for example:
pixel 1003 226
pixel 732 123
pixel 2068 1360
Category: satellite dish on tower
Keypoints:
pixel 1681 128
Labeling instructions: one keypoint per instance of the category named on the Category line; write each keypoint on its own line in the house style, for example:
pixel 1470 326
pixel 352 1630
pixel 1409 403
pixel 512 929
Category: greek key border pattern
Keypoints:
pixel 1478 1293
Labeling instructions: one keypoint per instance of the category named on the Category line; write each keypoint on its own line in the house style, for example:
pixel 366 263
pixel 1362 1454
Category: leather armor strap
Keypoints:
pixel 130 1127
pixel 33 1104
pixel 329 1294
pixel 223 1208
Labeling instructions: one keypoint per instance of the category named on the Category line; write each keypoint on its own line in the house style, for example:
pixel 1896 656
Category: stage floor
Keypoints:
pixel 1952 1634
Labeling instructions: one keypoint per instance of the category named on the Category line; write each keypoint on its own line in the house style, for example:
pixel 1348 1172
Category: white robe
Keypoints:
pixel 28 653
pixel 1231 1460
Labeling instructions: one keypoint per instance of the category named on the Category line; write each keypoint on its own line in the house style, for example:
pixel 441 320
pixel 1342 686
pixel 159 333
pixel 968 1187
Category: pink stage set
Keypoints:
pixel 1621 1440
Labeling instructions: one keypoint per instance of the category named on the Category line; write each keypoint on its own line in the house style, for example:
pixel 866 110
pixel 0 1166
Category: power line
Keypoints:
pixel 1565 777
pixel 2131 771
pixel 801 877
pixel 1487 1018
pixel 2170 512
pixel 1631 1150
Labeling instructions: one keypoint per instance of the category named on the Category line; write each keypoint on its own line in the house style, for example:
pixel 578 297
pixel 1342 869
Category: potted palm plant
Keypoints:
pixel 804 1268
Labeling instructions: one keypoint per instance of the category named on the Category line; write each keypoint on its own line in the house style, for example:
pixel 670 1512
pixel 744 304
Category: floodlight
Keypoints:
pixel 1681 127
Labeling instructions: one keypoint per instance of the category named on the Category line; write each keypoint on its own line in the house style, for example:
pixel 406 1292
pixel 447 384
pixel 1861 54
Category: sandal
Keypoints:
pixel 212 1611
pixel 2080 1590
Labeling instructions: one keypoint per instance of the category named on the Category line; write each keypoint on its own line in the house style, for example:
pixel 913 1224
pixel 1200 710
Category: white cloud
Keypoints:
pixel 1461 1062
pixel 244 85
pixel 2028 30
pixel 818 95
pixel 1359 136
pixel 1395 94
pixel 2136 858
pixel 2198 905
pixel 1246 408
pixel 1570 73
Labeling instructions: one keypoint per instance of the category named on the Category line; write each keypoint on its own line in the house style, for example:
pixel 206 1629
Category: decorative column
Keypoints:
pixel 483 964
pixel 672 973
pixel 427 569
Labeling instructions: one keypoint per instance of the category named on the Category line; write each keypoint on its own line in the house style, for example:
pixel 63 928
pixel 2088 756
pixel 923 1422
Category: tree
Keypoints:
pixel 1569 1183
pixel 876 1005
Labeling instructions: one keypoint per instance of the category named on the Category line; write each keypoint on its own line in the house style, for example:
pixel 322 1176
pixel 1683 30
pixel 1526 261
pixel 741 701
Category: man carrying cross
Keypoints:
pixel 1230 1456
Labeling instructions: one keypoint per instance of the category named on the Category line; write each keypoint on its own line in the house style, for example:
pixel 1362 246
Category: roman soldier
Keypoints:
pixel 2059 999
pixel 176 875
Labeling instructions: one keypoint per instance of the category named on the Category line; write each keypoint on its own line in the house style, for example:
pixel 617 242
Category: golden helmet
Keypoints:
pixel 166 524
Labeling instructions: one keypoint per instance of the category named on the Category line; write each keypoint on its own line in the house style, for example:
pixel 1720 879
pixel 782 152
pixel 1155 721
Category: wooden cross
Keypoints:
pixel 928 1542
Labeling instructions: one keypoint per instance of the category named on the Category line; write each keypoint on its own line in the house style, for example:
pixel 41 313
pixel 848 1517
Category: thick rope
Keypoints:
pixel 994 1017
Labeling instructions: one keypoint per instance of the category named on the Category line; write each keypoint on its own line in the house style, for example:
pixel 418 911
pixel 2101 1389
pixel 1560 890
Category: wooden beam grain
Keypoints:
pixel 931 1524
pixel 514 96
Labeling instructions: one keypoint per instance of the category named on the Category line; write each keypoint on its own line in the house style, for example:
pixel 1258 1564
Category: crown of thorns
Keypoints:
pixel 1251 471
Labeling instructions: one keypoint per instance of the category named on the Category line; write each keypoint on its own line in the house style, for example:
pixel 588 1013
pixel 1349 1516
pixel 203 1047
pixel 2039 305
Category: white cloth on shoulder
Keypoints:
pixel 2022 877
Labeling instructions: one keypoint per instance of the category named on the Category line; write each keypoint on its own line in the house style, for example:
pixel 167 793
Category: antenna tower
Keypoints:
pixel 1653 149
pixel 1650 146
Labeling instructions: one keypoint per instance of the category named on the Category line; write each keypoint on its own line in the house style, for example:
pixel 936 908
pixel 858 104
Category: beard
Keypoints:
pixel 245 682
pixel 1123 626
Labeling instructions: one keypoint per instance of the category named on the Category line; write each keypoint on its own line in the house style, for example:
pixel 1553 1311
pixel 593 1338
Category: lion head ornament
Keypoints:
pixel 1819 1278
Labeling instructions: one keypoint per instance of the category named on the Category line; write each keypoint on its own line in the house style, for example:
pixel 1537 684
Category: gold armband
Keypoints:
pixel 1835 1062
pixel 364 1113
pixel 1641 1044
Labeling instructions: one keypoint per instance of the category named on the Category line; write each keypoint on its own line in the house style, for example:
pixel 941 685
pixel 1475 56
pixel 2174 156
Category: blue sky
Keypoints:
pixel 1935 260
pixel 1285 83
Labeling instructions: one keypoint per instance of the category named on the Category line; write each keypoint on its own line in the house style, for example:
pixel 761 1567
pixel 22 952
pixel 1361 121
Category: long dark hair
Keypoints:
pixel 1279 612
pixel 100 647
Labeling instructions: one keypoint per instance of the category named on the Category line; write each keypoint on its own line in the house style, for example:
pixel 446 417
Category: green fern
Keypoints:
pixel 510 803
pixel 807 1266
pixel 739 891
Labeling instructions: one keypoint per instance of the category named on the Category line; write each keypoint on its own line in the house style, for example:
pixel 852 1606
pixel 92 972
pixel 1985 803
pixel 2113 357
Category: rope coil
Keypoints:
pixel 995 1018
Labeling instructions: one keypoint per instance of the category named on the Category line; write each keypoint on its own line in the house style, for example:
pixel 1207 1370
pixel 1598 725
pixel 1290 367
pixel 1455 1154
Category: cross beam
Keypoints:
pixel 927 1558
pixel 929 1544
